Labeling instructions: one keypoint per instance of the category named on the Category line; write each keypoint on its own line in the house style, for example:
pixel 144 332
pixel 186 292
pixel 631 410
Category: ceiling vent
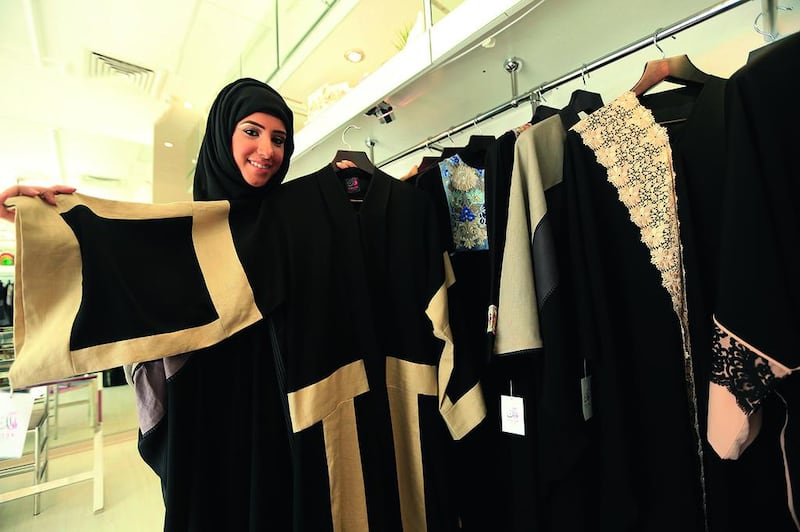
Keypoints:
pixel 103 66
pixel 101 180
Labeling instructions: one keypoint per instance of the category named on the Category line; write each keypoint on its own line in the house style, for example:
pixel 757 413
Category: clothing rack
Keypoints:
pixel 642 43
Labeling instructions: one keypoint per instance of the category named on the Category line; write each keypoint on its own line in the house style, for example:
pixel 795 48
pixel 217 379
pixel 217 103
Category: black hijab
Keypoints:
pixel 217 177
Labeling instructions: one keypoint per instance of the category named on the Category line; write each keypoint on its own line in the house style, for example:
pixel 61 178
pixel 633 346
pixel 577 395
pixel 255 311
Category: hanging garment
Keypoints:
pixel 645 208
pixel 753 384
pixel 376 393
pixel 632 323
pixel 533 348
pixel 457 187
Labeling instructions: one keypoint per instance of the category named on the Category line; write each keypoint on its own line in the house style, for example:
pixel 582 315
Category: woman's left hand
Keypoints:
pixel 47 194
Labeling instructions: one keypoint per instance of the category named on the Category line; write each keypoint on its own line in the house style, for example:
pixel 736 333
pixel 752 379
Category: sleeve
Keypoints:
pixel 84 304
pixel 756 311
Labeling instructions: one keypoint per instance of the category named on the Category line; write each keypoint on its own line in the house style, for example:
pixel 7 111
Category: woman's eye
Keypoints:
pixel 278 141
pixel 251 132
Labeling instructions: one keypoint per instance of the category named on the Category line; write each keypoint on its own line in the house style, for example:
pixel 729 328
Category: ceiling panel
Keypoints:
pixel 212 46
pixel 14 36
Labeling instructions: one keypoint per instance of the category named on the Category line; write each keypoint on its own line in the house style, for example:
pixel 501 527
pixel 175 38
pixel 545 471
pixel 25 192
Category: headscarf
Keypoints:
pixel 217 177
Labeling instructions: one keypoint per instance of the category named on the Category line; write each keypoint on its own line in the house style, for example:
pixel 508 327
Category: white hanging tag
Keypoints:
pixel 15 414
pixel 586 393
pixel 512 411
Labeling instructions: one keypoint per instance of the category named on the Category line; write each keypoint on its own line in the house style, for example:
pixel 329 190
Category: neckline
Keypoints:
pixel 688 123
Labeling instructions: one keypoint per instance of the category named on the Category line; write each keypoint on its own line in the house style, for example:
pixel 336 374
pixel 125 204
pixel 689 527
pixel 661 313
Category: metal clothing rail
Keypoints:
pixel 684 24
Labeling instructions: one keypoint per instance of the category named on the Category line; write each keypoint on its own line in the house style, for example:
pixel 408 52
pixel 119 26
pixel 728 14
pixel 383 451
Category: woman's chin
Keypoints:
pixel 258 180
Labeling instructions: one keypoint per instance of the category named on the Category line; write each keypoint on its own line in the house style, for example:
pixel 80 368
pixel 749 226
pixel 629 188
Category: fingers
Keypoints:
pixel 63 189
pixel 345 164
pixel 6 214
pixel 47 194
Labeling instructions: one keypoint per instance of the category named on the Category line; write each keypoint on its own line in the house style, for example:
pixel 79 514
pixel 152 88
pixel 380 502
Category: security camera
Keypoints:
pixel 383 111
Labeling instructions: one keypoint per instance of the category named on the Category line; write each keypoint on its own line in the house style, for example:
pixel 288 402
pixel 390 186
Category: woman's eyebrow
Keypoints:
pixel 253 123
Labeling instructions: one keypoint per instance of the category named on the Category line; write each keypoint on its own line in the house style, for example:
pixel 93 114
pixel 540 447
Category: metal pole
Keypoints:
pixel 512 66
pixel 684 24
pixel 769 10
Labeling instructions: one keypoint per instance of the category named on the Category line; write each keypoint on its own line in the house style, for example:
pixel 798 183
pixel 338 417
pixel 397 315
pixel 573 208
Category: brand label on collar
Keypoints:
pixel 352 185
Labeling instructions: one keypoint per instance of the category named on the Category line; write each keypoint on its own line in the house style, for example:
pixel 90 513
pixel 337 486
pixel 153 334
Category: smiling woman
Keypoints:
pixel 258 147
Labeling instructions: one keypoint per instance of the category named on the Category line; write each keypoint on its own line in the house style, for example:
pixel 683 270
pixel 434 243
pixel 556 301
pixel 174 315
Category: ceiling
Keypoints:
pixel 69 115
pixel 73 113
pixel 92 89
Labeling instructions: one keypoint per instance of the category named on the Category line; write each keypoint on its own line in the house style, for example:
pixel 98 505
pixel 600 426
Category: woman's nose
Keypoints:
pixel 265 148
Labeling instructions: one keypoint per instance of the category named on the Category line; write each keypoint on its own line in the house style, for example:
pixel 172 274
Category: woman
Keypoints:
pixel 211 422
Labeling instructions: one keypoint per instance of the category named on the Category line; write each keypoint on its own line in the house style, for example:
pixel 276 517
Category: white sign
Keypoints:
pixel 15 414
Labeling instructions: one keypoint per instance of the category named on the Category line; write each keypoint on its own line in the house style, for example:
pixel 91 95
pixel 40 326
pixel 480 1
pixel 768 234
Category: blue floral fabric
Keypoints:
pixel 466 196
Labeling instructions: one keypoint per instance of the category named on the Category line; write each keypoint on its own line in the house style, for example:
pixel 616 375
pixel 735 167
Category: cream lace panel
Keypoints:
pixel 635 150
pixel 636 153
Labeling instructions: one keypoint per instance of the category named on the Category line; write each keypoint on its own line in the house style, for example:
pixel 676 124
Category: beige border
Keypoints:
pixel 331 402
pixel 405 382
pixel 345 472
pixel 470 409
pixel 310 405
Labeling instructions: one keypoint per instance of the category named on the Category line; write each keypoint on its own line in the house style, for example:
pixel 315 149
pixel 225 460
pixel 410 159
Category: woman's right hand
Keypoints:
pixel 47 194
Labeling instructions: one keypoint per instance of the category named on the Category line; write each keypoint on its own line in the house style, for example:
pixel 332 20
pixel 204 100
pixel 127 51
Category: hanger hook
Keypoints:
pixel 449 137
pixel 348 128
pixel 475 123
pixel 767 34
pixel 655 43
pixel 583 74
pixel 540 95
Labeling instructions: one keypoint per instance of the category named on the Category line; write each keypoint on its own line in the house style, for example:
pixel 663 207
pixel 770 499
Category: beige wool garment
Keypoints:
pixel 527 278
pixel 50 287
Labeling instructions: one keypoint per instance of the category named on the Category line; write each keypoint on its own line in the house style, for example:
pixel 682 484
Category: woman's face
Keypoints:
pixel 257 146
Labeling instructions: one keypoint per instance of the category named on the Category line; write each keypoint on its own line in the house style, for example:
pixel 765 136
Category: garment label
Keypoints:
pixel 586 397
pixel 15 414
pixel 491 323
pixel 512 410
pixel 352 186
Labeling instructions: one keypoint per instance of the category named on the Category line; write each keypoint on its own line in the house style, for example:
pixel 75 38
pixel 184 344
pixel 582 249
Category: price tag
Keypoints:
pixel 586 397
pixel 512 410
pixel 491 322
pixel 15 414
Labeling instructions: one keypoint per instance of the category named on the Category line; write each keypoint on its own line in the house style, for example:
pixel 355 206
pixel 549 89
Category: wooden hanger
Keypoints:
pixel 677 69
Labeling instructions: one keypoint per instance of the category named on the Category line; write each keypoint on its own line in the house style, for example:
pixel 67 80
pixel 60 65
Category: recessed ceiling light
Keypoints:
pixel 354 55
pixel 187 105
pixel 168 144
